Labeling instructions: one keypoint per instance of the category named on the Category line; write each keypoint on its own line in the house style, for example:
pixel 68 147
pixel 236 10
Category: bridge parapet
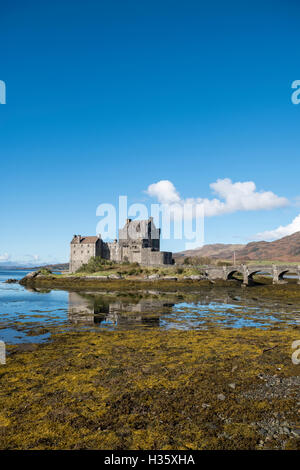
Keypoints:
pixel 248 271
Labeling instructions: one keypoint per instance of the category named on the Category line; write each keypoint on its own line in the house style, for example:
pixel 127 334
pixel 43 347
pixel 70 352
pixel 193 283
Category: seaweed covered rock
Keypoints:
pixel 115 276
pixel 29 277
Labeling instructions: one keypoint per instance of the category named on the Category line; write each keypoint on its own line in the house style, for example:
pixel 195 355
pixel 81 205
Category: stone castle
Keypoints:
pixel 139 242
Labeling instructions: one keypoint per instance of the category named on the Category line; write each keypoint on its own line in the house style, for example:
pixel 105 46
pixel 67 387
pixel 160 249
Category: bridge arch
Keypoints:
pixel 234 272
pixel 261 271
pixel 292 271
pixel 282 274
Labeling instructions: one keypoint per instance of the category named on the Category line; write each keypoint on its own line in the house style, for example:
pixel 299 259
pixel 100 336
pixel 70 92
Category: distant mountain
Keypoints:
pixel 286 249
pixel 12 265
pixel 53 267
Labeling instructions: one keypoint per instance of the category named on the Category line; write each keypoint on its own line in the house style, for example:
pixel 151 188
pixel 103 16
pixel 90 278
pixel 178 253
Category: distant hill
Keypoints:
pixel 53 267
pixel 56 267
pixel 286 249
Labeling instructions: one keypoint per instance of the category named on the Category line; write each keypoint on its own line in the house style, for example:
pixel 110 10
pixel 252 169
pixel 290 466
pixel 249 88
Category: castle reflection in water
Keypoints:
pixel 90 309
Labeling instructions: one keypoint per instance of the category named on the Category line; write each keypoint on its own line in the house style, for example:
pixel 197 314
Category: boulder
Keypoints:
pixel 29 277
pixel 221 396
pixel 115 276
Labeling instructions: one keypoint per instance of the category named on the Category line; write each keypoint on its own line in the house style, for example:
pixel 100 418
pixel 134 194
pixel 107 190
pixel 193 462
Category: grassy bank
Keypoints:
pixel 92 282
pixel 262 288
pixel 216 389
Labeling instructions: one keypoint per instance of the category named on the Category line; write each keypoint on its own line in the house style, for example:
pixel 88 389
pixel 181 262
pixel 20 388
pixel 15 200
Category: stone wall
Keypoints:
pixel 139 242
pixel 81 254
pixel 155 258
pixel 112 251
pixel 141 232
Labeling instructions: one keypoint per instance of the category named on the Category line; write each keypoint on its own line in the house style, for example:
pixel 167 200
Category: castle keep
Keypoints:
pixel 139 242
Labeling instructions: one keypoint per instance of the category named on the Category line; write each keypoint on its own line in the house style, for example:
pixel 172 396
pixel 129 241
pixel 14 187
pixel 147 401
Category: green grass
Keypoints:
pixel 268 262
pixel 132 271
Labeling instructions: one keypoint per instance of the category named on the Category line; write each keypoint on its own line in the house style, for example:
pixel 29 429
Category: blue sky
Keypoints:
pixel 107 98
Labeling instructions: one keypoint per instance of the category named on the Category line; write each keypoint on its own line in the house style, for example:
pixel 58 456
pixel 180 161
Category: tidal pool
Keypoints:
pixel 28 315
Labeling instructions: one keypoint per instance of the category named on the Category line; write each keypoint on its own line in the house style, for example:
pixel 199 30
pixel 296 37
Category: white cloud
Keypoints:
pixel 164 191
pixel 231 197
pixel 5 257
pixel 281 231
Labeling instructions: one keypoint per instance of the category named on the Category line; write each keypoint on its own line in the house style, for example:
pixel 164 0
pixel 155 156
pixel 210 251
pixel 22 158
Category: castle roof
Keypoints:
pixel 85 240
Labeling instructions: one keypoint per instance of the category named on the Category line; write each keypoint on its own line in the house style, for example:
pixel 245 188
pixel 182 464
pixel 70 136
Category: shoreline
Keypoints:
pixel 287 291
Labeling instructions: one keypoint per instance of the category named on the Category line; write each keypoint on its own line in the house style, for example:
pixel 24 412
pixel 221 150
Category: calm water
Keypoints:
pixel 27 315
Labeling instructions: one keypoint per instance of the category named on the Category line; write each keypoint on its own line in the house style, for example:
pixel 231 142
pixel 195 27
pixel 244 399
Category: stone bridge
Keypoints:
pixel 248 271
